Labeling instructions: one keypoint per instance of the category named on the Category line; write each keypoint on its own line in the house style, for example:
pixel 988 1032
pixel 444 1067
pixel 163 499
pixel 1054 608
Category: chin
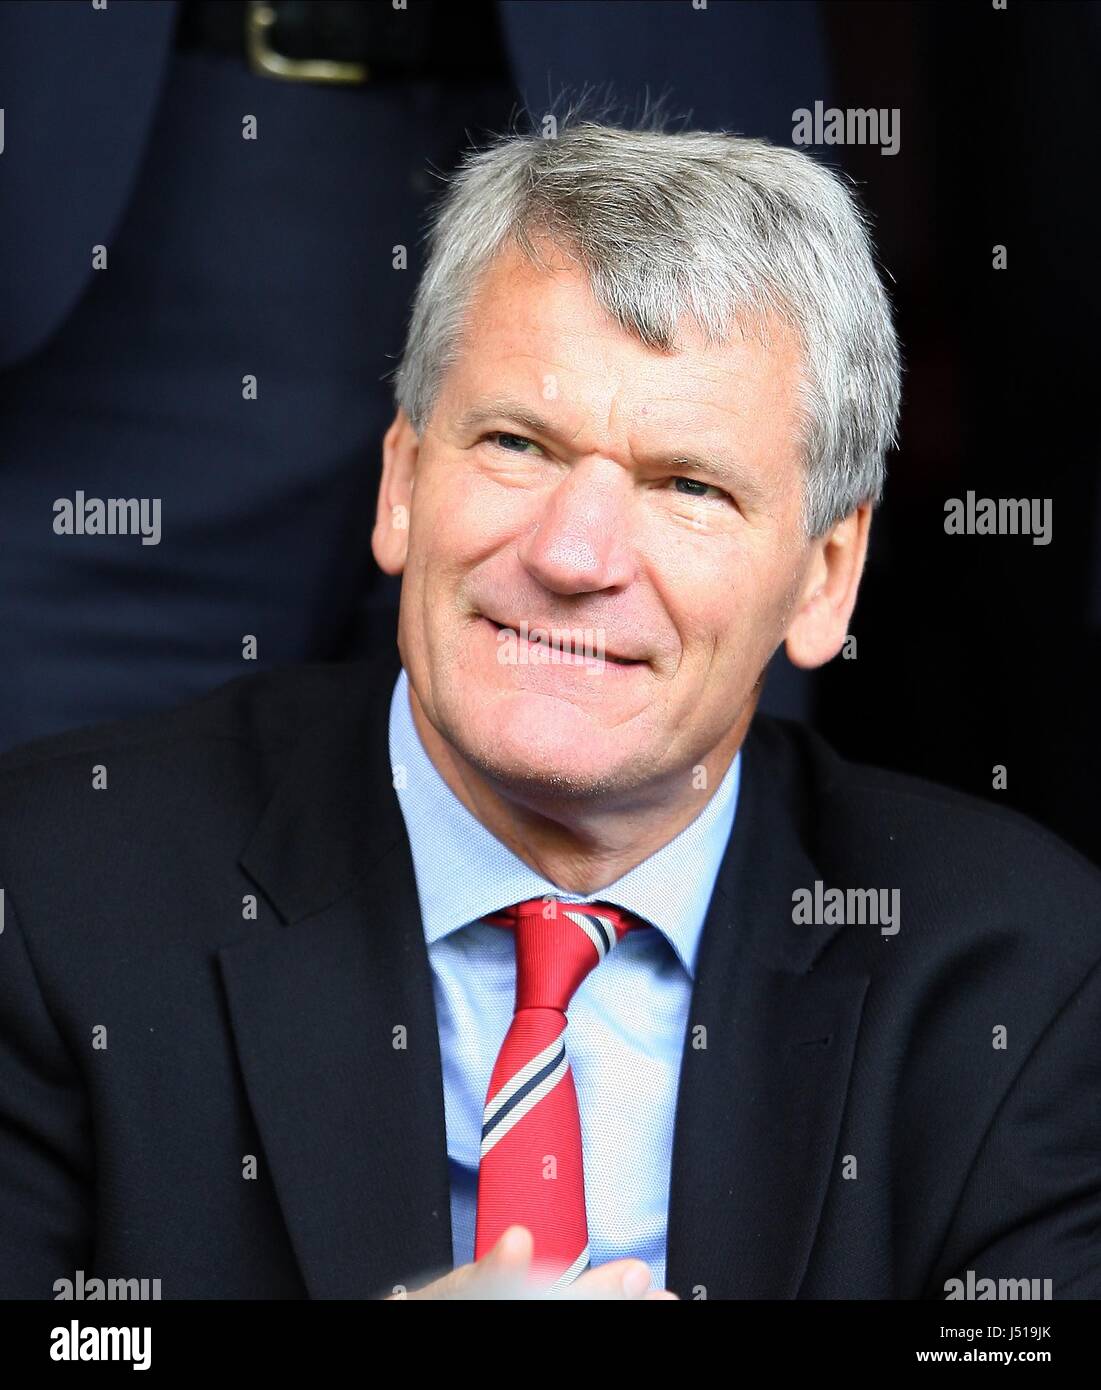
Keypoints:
pixel 544 783
pixel 564 757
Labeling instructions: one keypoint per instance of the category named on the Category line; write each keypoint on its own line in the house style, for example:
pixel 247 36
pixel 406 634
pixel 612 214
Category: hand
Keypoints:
pixel 502 1273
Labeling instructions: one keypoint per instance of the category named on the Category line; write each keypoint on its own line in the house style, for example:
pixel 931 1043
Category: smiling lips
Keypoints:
pixel 535 627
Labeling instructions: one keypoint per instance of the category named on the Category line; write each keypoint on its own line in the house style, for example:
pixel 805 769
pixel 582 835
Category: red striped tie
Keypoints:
pixel 531 1171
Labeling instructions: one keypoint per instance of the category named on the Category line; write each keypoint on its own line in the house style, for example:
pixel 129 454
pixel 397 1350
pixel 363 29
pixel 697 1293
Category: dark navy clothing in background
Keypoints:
pixel 271 257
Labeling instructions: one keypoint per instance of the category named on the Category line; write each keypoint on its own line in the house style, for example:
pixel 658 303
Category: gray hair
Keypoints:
pixel 724 229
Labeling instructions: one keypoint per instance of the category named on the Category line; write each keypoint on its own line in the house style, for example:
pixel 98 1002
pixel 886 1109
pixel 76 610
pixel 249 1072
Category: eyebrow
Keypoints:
pixel 507 408
pixel 504 408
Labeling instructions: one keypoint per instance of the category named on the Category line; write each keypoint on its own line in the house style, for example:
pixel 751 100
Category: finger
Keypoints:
pixel 513 1251
pixel 501 1273
pixel 618 1279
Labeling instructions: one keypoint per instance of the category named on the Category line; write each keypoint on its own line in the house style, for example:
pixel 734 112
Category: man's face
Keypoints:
pixel 574 479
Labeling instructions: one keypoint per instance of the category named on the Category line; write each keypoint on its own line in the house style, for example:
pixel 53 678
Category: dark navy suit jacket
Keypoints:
pixel 857 1125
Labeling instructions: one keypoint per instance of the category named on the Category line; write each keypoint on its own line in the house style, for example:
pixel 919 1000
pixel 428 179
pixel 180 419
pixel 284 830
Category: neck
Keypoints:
pixel 580 847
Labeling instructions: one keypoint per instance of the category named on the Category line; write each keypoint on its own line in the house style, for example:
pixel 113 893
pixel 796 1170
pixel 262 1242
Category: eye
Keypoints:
pixel 704 489
pixel 511 441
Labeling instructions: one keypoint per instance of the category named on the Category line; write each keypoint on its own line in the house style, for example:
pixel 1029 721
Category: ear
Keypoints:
pixel 826 598
pixel 390 538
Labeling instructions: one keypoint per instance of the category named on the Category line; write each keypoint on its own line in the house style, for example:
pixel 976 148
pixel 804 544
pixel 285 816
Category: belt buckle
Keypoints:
pixel 264 60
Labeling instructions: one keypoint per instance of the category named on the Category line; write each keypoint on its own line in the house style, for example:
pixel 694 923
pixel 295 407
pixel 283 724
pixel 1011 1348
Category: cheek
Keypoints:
pixel 728 603
pixel 705 582
pixel 460 515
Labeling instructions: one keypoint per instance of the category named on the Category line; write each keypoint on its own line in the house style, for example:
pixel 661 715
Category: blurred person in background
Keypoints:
pixel 210 226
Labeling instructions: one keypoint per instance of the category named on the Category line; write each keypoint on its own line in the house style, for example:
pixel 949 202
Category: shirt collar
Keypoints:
pixel 464 872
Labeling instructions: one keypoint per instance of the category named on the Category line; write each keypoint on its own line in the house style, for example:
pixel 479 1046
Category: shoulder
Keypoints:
pixel 215 758
pixel 264 709
pixel 962 853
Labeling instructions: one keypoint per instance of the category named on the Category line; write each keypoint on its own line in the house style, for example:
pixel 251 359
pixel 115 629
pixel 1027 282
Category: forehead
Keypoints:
pixel 541 331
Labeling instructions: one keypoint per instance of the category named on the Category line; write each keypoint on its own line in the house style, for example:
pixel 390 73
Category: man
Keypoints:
pixel 287 973
pixel 209 216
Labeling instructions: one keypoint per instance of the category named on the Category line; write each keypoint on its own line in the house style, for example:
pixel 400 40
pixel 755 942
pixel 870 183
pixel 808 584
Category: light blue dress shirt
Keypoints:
pixel 626 1024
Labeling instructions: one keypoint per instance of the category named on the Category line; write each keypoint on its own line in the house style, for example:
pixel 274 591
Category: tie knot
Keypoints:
pixel 558 943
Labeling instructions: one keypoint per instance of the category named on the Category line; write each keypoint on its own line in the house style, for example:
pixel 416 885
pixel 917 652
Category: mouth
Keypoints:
pixel 578 654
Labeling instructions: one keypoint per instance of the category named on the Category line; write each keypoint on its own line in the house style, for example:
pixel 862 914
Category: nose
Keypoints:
pixel 581 541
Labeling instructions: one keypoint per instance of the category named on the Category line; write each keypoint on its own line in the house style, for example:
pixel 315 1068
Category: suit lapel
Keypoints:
pixel 352 1126
pixel 334 1020
pixel 768 1054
